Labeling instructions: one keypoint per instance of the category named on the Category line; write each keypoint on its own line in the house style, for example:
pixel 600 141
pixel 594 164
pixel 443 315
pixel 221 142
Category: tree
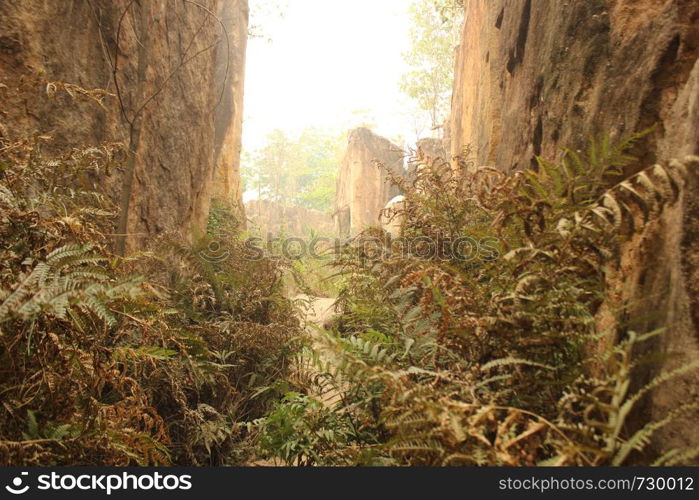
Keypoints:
pixel 295 172
pixel 321 154
pixel 435 32
pixel 271 167
pixel 262 14
pixel 135 93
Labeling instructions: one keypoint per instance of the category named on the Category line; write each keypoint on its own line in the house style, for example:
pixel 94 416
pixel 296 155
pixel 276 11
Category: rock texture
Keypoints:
pixel 392 217
pixel 267 217
pixel 431 149
pixel 179 86
pixel 534 76
pixel 362 188
pixel 229 115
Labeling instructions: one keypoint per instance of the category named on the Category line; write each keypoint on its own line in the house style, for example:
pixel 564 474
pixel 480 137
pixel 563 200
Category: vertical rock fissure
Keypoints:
pixel 517 52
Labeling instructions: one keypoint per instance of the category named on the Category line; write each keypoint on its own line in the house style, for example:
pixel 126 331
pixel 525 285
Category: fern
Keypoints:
pixel 486 362
pixel 64 282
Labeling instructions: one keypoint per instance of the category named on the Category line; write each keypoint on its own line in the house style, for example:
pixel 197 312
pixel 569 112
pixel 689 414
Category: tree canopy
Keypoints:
pixel 295 171
pixel 434 34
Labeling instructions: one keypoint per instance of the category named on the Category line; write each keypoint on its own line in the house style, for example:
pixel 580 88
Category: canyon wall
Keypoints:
pixel 362 188
pixel 267 217
pixel 176 72
pixel 230 75
pixel 431 149
pixel 534 76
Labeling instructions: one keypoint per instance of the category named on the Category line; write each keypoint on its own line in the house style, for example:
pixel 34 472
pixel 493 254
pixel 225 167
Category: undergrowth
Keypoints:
pixel 488 352
pixel 491 356
pixel 153 359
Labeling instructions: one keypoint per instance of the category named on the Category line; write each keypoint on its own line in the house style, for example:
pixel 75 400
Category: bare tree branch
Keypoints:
pixel 134 119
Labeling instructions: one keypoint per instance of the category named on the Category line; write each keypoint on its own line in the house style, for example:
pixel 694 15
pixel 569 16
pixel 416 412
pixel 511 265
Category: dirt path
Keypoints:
pixel 319 314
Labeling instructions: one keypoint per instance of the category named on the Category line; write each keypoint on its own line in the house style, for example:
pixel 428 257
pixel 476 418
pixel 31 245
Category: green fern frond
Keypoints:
pixel 677 456
pixel 657 381
pixel 642 437
pixel 498 363
pixel 7 198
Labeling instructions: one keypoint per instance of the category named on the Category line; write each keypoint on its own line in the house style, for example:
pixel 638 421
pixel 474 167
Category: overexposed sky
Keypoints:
pixel 326 60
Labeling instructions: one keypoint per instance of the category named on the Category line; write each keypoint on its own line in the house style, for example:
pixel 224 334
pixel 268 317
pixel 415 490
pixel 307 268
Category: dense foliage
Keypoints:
pixel 300 171
pixel 490 357
pixel 485 352
pixel 157 358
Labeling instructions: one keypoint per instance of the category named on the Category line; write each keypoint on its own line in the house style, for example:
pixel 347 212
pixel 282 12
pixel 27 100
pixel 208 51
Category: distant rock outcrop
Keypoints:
pixel 534 76
pixel 180 80
pixel 433 149
pixel 362 188
pixel 268 217
pixel 392 216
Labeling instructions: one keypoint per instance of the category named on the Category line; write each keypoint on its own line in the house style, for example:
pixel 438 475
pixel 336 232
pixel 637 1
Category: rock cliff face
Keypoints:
pixel 431 149
pixel 534 76
pixel 268 217
pixel 229 115
pixel 362 188
pixel 178 78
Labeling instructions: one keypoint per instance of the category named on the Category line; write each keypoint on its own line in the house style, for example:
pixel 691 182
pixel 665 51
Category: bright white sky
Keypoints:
pixel 328 59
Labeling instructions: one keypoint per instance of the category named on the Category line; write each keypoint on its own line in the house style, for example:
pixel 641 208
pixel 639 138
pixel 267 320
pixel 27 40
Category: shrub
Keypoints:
pixel 157 358
pixel 444 360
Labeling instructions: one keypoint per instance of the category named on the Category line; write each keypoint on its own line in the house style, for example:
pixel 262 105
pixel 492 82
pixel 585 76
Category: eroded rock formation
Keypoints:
pixel 362 188
pixel 268 217
pixel 179 96
pixel 534 76
pixel 431 149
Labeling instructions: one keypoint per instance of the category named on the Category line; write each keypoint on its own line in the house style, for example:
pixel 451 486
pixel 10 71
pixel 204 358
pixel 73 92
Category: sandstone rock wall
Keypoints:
pixel 229 115
pixel 431 149
pixel 533 76
pixel 267 217
pixel 170 61
pixel 362 188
